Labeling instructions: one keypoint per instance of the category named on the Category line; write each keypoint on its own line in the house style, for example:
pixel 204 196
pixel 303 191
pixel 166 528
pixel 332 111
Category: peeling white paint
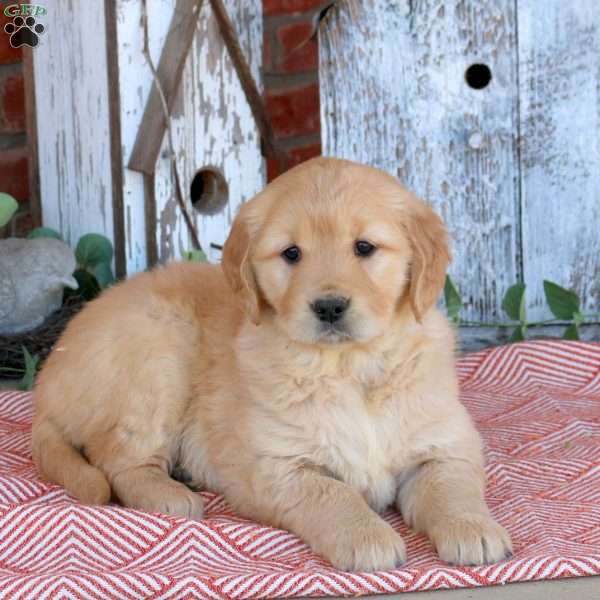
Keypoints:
pixel 214 125
pixel 73 122
pixel 559 71
pixel 393 94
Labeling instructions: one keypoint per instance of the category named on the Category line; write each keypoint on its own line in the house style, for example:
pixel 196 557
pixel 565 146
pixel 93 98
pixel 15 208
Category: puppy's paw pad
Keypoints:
pixel 472 540
pixel 373 546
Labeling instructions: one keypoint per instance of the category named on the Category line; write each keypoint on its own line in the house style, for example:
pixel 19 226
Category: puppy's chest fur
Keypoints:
pixel 348 420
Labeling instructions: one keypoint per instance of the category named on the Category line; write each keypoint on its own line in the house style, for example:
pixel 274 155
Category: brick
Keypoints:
pixel 267 53
pixel 303 153
pixel 294 111
pixel 273 169
pixel 295 157
pixel 286 7
pixel 12 101
pixel 23 223
pixel 298 51
pixel 14 178
pixel 8 54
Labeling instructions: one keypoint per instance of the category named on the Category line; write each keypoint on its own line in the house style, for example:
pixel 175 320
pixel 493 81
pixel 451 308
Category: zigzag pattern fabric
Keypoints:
pixel 537 405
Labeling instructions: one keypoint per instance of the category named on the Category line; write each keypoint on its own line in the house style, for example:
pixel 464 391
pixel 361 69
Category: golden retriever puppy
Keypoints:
pixel 309 378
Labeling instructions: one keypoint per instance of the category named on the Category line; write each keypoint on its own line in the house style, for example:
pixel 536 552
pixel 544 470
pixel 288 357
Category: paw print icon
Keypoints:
pixel 24 32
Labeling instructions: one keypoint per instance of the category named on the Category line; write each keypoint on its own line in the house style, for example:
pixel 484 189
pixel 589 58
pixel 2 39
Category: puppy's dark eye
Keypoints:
pixel 292 254
pixel 363 248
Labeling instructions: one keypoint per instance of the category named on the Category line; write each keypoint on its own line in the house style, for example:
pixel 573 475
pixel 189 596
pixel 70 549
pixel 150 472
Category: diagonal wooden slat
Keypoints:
pixel 170 68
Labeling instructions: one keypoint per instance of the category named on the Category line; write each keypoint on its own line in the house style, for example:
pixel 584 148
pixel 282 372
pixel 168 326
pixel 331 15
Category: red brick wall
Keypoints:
pixel 13 141
pixel 291 94
pixel 290 73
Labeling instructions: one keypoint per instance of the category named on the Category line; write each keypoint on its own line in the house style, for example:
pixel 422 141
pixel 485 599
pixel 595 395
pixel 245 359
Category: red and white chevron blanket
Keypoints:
pixel 537 405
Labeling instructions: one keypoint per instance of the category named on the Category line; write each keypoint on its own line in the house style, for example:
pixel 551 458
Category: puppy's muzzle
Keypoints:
pixel 330 309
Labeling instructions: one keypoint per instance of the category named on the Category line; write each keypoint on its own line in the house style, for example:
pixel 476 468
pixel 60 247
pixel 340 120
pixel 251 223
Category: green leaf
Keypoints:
pixel 8 207
pixel 31 363
pixel 563 303
pixel 103 274
pixel 452 298
pixel 195 256
pixel 578 318
pixel 44 232
pixel 514 302
pixel 571 332
pixel 518 335
pixel 93 249
pixel 88 285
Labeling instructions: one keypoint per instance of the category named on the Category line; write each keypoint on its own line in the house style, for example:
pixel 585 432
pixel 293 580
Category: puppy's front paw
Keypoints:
pixel 172 498
pixel 371 545
pixel 184 503
pixel 472 539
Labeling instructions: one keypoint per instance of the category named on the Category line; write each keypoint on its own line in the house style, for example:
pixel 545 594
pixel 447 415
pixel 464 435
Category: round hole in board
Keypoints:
pixel 478 76
pixel 209 192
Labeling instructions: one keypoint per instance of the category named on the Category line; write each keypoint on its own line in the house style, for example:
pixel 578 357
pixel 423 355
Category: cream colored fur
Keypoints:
pixel 226 374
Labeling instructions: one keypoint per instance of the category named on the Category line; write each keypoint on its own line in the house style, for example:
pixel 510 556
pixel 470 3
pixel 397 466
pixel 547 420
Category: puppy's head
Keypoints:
pixel 331 251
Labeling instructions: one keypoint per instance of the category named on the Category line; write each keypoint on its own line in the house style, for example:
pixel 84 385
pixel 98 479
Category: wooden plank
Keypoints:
pixel 73 121
pixel 135 83
pixel 559 75
pixel 212 126
pixel 394 95
pixel 114 109
pixel 169 69
pixel 150 202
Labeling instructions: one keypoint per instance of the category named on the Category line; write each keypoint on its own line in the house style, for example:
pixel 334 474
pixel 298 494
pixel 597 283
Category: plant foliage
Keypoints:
pixel 564 304
pixel 8 207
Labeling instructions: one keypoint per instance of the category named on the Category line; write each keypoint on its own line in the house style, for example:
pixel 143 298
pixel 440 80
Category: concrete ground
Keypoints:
pixel 579 588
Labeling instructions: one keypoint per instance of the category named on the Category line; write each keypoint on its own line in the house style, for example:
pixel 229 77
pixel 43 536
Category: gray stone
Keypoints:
pixel 33 274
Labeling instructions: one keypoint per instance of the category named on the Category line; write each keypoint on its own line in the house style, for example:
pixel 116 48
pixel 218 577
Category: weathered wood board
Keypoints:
pixel 73 124
pixel 514 168
pixel 212 124
pixel 394 95
pixel 213 127
pixel 91 91
pixel 135 82
pixel 559 92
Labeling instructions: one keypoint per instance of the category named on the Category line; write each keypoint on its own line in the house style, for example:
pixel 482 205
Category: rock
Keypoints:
pixel 33 274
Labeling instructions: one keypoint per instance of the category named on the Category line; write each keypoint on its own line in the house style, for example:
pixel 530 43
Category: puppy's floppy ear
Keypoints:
pixel 430 257
pixel 237 268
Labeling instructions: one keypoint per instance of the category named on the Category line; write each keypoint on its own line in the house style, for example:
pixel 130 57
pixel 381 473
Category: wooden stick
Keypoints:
pixel 116 154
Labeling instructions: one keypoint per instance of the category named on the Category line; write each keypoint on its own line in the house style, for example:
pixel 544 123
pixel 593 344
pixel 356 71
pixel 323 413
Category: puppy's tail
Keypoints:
pixel 58 461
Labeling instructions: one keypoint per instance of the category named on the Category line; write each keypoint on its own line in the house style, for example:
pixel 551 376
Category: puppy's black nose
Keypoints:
pixel 330 309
